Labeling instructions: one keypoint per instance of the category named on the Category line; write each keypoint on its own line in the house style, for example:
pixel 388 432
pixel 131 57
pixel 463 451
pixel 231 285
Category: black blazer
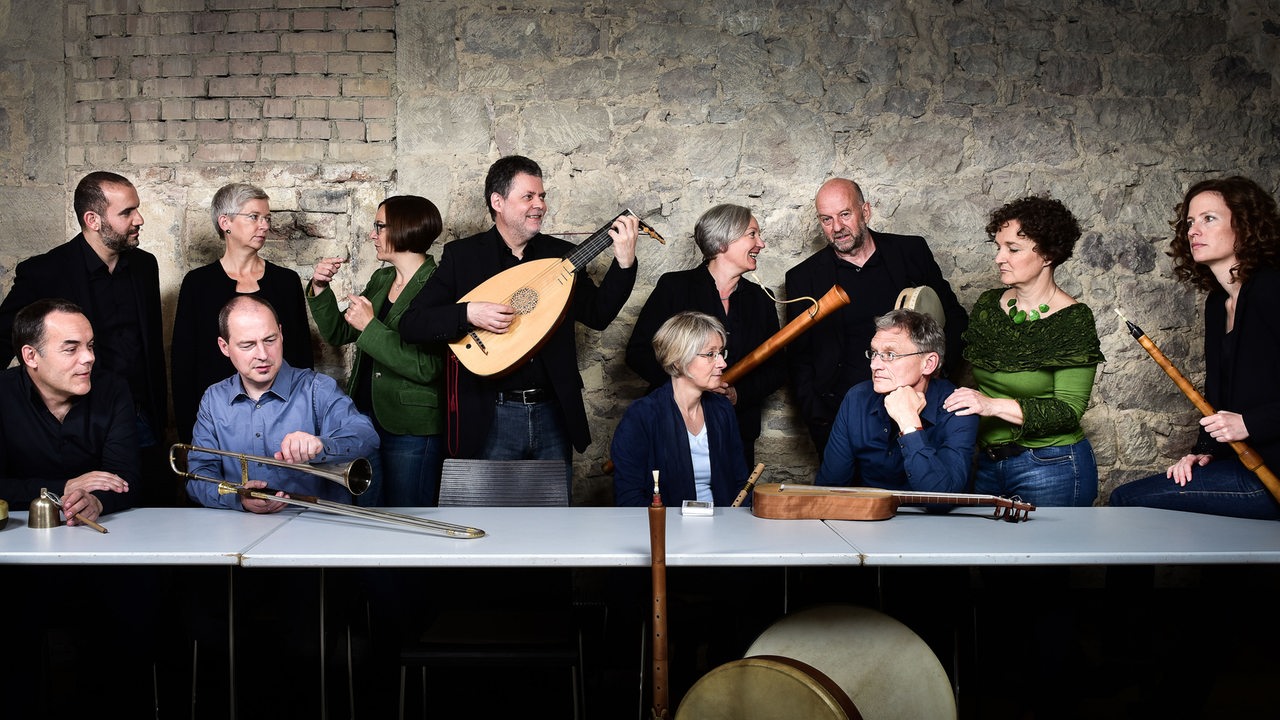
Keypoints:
pixel 812 357
pixel 1249 383
pixel 436 316
pixel 61 273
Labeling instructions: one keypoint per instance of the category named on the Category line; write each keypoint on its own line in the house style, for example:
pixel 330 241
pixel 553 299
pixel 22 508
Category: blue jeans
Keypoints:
pixel 406 471
pixel 529 432
pixel 1059 476
pixel 1223 487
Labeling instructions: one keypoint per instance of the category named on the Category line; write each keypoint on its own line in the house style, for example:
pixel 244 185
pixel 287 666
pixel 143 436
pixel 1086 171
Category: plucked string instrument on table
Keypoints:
pixel 783 501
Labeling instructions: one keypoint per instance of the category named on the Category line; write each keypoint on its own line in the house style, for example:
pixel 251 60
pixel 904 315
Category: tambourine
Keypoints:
pixel 922 299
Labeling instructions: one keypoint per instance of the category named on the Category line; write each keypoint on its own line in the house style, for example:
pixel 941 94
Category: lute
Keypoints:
pixel 782 501
pixel 540 292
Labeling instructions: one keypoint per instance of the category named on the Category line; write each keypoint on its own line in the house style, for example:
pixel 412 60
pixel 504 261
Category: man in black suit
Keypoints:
pixel 118 287
pixel 535 411
pixel 873 268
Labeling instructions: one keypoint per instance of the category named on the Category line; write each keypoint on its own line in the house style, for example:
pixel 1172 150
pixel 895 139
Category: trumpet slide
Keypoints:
pixel 353 475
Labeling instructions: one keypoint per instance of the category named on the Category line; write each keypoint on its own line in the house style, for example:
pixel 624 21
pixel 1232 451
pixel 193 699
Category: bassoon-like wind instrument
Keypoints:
pixel 1248 457
pixel 835 299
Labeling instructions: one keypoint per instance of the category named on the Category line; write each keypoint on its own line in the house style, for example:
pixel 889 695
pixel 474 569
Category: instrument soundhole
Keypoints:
pixel 524 300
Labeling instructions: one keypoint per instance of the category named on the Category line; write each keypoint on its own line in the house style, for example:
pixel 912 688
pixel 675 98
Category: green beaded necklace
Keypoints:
pixel 1020 316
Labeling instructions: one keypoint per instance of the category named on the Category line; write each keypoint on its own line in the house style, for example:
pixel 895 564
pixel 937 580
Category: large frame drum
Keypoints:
pixel 878 664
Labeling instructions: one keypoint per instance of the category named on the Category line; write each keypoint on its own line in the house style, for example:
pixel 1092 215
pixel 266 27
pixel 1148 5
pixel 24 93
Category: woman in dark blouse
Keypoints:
pixel 242 218
pixel 729 238
pixel 1227 243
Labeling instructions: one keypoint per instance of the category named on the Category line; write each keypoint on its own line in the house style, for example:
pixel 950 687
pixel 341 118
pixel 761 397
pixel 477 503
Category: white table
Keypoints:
pixel 1062 536
pixel 141 536
pixel 550 537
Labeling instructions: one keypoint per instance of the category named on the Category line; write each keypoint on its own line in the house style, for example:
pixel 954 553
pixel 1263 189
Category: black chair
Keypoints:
pixel 489 630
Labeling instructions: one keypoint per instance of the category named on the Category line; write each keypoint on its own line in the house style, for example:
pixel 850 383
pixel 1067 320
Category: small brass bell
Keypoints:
pixel 4 514
pixel 44 513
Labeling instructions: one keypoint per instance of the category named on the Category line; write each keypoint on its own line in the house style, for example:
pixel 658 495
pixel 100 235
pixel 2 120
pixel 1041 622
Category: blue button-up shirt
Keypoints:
pixel 298 400
pixel 865 449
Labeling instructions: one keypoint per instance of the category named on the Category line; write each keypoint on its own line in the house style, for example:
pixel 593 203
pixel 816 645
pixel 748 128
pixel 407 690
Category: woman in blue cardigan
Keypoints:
pixel 683 429
pixel 397 384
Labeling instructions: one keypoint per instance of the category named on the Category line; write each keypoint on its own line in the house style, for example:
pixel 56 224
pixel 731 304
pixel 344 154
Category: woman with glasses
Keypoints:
pixel 685 429
pixel 397 384
pixel 729 240
pixel 1034 351
pixel 242 219
pixel 1227 243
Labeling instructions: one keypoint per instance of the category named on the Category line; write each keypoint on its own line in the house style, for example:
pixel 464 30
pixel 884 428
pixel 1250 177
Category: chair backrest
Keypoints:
pixel 502 483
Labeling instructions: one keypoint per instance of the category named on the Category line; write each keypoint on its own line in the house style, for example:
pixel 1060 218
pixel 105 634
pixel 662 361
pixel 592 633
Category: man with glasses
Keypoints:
pixel 891 431
pixel 873 268
pixel 117 286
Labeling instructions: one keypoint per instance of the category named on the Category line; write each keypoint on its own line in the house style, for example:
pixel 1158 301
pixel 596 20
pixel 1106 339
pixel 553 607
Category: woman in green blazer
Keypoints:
pixel 397 384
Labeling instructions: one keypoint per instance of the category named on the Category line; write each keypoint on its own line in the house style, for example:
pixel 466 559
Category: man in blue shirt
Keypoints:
pixel 891 431
pixel 270 409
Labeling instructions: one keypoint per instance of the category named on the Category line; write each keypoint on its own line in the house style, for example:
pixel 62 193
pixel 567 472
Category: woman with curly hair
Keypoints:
pixel 1034 351
pixel 1227 242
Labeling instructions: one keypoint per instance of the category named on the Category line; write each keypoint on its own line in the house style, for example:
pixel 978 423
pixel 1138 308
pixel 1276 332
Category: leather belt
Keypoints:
pixel 1004 452
pixel 526 397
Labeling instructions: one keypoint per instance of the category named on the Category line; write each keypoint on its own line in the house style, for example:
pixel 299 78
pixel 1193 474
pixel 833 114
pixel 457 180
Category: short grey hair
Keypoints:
pixel 922 330
pixel 681 337
pixel 720 226
pixel 230 198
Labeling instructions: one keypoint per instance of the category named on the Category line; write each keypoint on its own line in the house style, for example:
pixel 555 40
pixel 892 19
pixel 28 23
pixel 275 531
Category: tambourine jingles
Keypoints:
pixel 922 299
pixel 816 663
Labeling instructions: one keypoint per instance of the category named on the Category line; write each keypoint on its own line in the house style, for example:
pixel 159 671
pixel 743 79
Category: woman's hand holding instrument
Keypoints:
pixel 1248 457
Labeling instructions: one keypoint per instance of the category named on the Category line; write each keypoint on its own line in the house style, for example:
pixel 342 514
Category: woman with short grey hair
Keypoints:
pixel 729 238
pixel 241 216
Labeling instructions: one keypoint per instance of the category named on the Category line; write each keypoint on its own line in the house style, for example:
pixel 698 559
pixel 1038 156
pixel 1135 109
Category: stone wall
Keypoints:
pixel 942 111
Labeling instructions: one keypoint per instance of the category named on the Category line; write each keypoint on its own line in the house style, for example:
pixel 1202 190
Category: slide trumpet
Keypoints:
pixel 355 476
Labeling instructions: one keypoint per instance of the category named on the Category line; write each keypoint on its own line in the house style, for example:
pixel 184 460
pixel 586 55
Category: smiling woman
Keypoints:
pixel 730 240
pixel 241 215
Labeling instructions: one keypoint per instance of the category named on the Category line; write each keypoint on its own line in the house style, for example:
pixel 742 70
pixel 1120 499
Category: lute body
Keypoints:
pixel 540 291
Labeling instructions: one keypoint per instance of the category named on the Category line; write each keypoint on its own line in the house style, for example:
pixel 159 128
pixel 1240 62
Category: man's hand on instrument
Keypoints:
pixel 494 317
pixel 324 272
pixel 80 502
pixel 299 447
pixel 256 505
pixel 1180 472
pixel 625 231
pixel 1225 426
pixel 359 312
pixel 904 405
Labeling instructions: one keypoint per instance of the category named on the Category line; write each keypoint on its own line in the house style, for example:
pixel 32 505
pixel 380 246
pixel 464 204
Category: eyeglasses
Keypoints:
pixel 891 356
pixel 378 227
pixel 254 218
pixel 722 354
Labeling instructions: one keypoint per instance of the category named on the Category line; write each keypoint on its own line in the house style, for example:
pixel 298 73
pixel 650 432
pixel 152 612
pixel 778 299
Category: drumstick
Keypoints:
pixel 751 482
pixel 1248 457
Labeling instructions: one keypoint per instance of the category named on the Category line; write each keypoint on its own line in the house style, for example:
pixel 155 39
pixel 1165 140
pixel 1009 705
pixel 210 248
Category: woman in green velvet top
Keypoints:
pixel 397 384
pixel 1034 351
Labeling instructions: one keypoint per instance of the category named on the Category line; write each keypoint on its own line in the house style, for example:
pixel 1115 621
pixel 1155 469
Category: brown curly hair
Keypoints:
pixel 1046 221
pixel 1254 220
